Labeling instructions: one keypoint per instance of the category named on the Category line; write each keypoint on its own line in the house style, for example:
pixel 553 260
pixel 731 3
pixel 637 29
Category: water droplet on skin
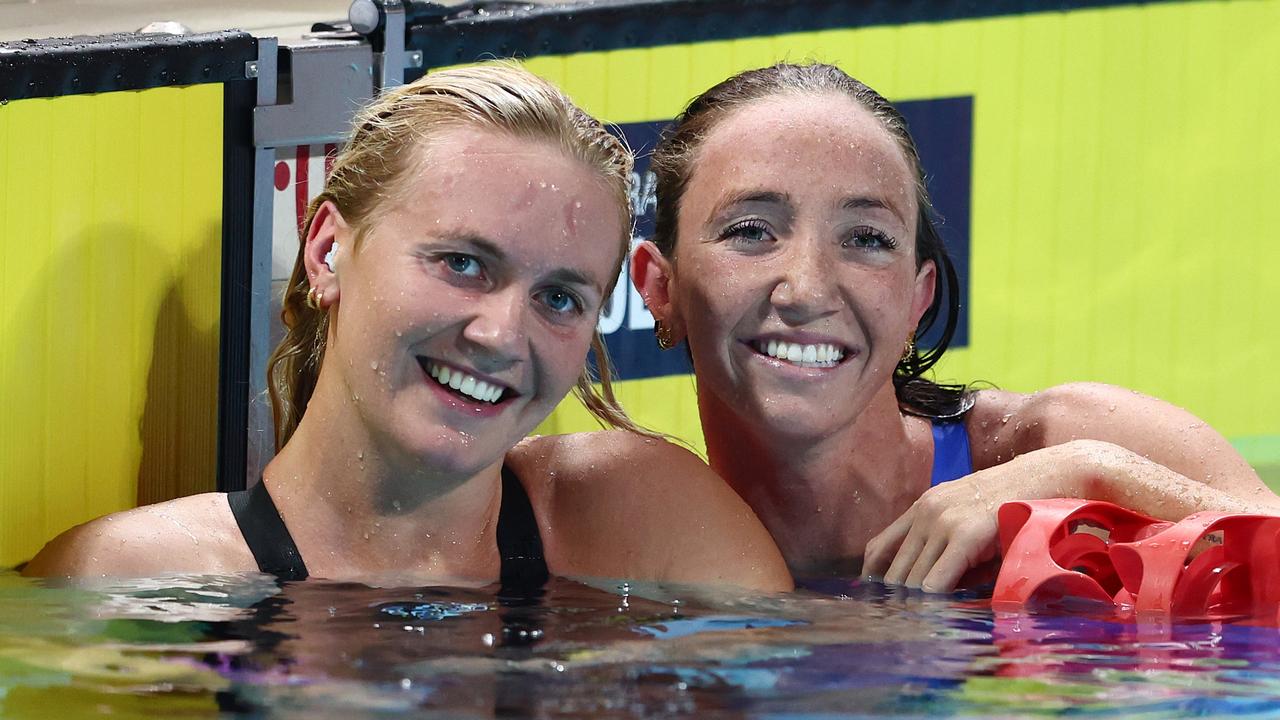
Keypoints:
pixel 360 455
pixel 373 365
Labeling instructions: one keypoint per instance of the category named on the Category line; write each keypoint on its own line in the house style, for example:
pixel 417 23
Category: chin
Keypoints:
pixel 454 452
pixel 799 418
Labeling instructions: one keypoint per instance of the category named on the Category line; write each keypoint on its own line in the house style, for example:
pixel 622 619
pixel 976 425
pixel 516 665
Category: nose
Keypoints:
pixel 495 333
pixel 806 289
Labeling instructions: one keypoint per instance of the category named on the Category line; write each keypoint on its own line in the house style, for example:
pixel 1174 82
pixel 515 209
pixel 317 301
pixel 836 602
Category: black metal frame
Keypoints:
pixel 107 63
pixel 471 32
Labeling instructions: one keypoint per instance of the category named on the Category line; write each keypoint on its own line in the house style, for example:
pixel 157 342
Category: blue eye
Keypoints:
pixel 561 301
pixel 869 238
pixel 465 265
pixel 747 232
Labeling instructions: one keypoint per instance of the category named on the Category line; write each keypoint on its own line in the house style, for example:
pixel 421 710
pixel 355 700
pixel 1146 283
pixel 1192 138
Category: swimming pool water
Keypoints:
pixel 244 646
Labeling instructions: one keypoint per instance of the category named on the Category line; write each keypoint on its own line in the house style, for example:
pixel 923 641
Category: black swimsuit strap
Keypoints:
pixel 265 533
pixel 524 569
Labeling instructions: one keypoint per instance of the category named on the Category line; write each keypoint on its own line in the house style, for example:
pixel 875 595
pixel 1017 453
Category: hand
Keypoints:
pixel 945 533
pixel 951 529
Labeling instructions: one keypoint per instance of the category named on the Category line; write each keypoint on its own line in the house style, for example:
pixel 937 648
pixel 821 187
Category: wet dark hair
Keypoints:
pixel 672 164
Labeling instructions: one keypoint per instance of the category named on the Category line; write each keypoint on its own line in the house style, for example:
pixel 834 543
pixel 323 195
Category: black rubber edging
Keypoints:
pixel 126 61
pixel 560 29
pixel 238 100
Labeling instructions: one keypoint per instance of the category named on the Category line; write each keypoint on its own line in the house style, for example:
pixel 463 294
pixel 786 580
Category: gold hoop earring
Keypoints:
pixel 909 347
pixel 665 341
pixel 313 300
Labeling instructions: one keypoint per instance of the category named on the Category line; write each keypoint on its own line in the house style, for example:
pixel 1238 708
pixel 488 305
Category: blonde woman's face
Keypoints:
pixel 468 310
pixel 795 270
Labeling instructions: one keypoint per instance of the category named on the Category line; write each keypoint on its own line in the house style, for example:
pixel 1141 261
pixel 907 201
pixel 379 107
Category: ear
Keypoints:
pixel 925 286
pixel 652 276
pixel 323 248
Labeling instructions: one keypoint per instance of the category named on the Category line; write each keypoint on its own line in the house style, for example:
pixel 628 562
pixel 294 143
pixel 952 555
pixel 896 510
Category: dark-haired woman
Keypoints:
pixel 795 254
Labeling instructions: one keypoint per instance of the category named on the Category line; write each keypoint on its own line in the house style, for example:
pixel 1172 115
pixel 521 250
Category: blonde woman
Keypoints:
pixel 445 295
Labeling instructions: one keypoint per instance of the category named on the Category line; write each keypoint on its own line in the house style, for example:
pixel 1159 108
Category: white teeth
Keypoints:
pixel 465 384
pixel 816 355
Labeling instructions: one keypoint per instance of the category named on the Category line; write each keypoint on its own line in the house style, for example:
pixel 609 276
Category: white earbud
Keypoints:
pixel 331 257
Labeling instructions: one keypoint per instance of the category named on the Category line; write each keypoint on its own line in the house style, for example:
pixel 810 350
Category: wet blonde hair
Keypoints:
pixel 502 97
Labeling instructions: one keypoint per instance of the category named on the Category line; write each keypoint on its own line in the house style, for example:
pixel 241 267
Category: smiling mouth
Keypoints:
pixel 818 355
pixel 464 385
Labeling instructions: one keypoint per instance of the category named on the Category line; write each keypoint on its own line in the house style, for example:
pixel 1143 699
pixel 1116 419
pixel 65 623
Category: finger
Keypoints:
pixel 927 558
pixel 906 556
pixel 963 553
pixel 881 549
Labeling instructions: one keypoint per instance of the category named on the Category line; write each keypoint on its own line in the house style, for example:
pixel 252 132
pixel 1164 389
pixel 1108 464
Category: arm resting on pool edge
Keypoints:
pixel 619 505
pixel 1003 425
pixel 1082 440
pixel 952 528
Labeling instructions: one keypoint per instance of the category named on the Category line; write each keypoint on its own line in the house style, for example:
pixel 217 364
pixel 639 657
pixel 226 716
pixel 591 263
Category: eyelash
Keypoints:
pixel 885 242
pixel 447 261
pixel 734 232
pixel 576 310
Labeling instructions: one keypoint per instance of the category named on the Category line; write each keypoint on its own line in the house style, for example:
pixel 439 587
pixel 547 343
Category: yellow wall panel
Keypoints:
pixel 1122 208
pixel 110 237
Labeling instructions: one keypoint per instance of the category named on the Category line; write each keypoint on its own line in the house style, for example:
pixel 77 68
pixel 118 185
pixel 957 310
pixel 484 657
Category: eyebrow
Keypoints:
pixel 858 202
pixel 481 244
pixel 485 246
pixel 751 196
pixel 569 276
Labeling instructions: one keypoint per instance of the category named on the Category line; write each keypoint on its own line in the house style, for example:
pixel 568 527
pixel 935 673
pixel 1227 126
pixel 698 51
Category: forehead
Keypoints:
pixel 803 139
pixel 517 192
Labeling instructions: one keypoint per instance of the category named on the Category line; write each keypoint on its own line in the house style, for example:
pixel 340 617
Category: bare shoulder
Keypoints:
pixel 997 430
pixel 195 534
pixel 624 505
pixel 603 458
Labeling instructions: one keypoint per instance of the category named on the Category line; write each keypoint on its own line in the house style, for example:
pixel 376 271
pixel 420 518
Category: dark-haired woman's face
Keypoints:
pixel 795 268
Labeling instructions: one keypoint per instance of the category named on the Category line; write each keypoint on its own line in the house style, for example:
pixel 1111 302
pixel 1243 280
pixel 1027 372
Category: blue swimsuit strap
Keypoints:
pixel 951 456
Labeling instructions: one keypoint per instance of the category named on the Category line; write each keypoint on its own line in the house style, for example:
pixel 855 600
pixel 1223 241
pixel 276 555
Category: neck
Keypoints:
pixel 359 509
pixel 822 498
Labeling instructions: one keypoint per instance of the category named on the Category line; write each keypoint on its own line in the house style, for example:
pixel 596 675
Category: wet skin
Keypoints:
pixel 803 211
pixel 490 259
pixel 491 263
pixel 797 226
